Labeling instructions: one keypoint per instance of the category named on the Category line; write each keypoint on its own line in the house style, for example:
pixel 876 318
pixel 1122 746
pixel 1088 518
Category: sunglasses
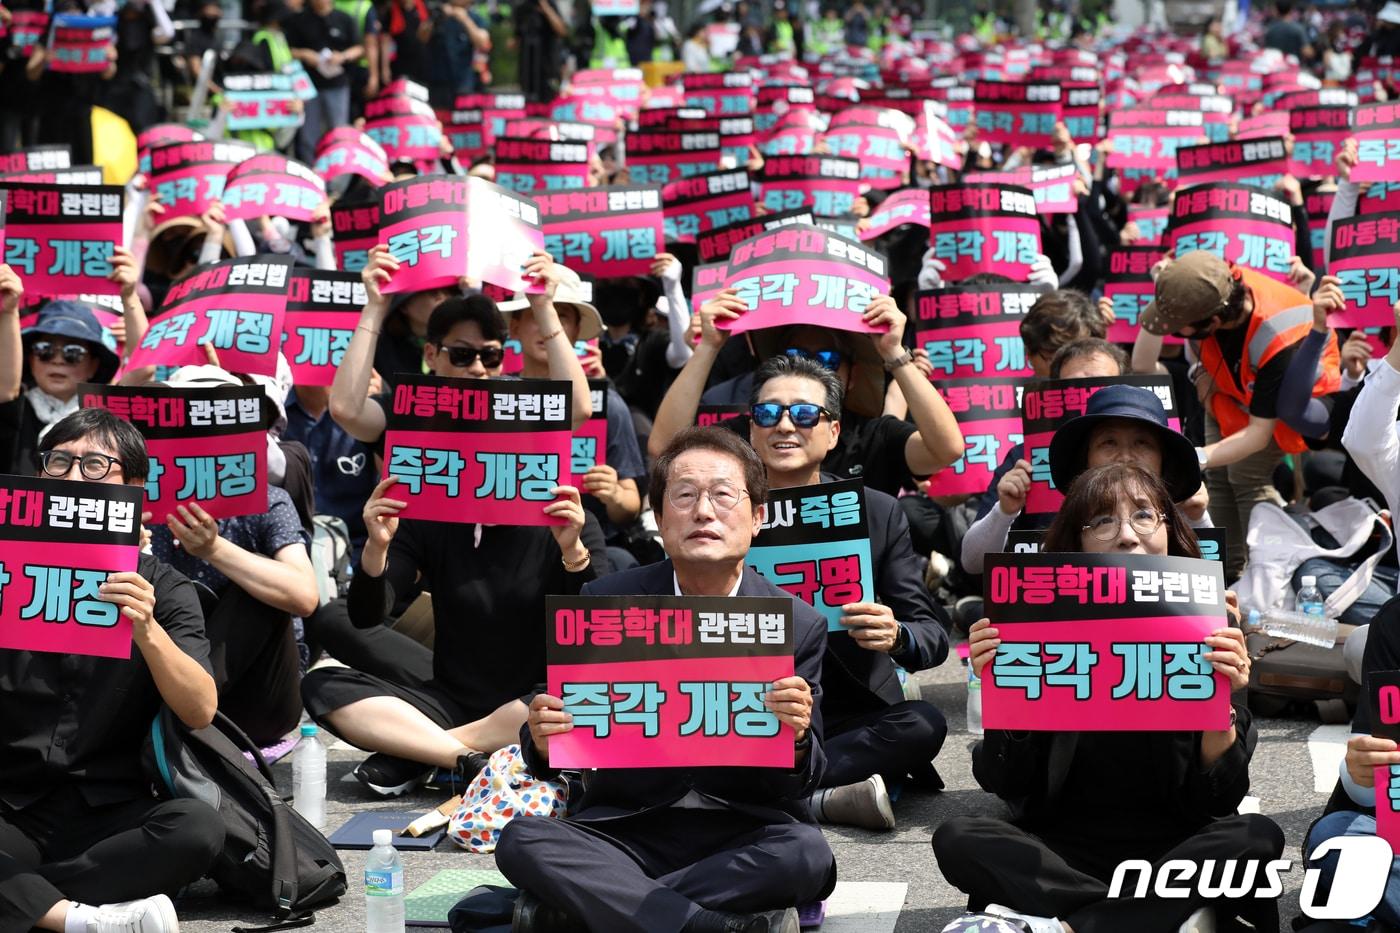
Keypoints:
pixel 803 414
pixel 831 359
pixel 73 353
pixel 462 357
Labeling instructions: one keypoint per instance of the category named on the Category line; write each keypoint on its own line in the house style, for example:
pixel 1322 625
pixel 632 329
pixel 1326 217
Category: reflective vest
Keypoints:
pixel 277 47
pixel 1282 317
pixel 609 51
pixel 783 38
pixel 358 11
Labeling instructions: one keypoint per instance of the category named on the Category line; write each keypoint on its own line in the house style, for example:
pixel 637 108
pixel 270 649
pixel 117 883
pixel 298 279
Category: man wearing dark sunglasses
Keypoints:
pixel 85 846
pixel 874 735
pixel 887 452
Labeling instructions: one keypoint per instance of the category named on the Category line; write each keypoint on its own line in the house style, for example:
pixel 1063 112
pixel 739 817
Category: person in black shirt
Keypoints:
pixel 78 827
pixel 325 40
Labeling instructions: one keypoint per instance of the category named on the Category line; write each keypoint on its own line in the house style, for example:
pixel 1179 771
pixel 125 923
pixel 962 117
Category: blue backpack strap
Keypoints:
pixel 158 747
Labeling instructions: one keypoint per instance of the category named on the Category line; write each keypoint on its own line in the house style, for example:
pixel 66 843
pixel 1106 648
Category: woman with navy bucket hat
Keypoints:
pixel 65 347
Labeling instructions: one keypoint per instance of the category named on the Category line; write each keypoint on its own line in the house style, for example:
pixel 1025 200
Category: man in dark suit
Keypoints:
pixel 874 734
pixel 700 850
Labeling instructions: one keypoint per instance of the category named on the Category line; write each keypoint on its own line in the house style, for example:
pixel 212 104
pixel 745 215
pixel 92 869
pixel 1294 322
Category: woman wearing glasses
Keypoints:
pixel 1073 820
pixel 874 735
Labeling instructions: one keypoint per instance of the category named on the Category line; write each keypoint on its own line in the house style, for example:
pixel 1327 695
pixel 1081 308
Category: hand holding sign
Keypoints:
pixel 982 644
pixel 725 306
pixel 546 718
pixel 11 289
pixel 1366 753
pixel 884 313
pixel 872 626
pixel 124 271
pixel 790 699
pixel 569 508
pixel 377 272
pixel 1014 487
pixel 1230 656
pixel 1327 299
pixel 137 599
pixel 381 517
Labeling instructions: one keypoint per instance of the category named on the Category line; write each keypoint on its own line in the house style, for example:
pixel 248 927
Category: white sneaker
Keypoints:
pixel 148 915
pixel 1036 924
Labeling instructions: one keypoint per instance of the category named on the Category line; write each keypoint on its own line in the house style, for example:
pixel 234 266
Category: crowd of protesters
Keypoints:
pixel 1280 410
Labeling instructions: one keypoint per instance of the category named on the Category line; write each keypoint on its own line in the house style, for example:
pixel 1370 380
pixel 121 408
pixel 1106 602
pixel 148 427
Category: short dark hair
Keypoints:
pixel 1096 492
pixel 1059 317
pixel 775 367
pixel 1088 346
pixel 478 308
pixel 121 437
pixel 720 440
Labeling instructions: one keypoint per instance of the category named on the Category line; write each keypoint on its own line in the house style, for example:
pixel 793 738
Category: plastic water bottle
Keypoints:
pixel 309 778
pixel 1309 600
pixel 974 702
pixel 384 886
pixel 1319 631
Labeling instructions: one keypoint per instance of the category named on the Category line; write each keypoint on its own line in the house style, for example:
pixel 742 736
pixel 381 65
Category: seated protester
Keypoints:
pixel 42 366
pixel 647 335
pixel 1351 811
pixel 79 831
pixel 885 451
pixel 873 734
pixel 259 575
pixel 1050 864
pixel 610 489
pixel 420 709
pixel 701 850
pixel 1247 327
pixel 465 342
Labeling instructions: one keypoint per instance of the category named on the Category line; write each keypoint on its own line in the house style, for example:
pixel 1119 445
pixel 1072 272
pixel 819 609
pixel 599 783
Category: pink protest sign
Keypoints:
pixel 989 414
pixel 467 131
pixel 589 446
pixel 270 185
pixel 260 101
pixel 78 44
pixel 984 228
pixel 1079 111
pixel 1387 783
pixel 356 230
pixel 1318 135
pixel 442 228
pixel 206 445
pixel 358 155
pixel 323 309
pixel 1151 223
pixel 933 139
pixel 1377 131
pixel 527 165
pixel 1052 186
pixel 1017 114
pixel 706 281
pixel 974 331
pixel 58 542
pixel 1104 642
pixel 669 681
pixel 694 205
pixel 604 232
pixel 478 450
pixel 829 185
pixel 903 207
pixel 189 176
pixel 27 29
pixel 720 94
pixel 1050 403
pixel 68 177
pixel 876 138
pixel 1366 257
pixel 235 306
pixel 1128 284
pixel 661 156
pixel 1263 126
pixel 60 238
pixel 1145 142
pixel 716 245
pixel 707 416
pixel 1250 161
pixel 1239 223
pixel 803 275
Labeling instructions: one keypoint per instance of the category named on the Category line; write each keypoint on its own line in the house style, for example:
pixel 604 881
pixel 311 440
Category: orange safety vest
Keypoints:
pixel 1282 317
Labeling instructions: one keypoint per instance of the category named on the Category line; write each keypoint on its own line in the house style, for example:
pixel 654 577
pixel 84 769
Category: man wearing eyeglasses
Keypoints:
pixel 79 832
pixel 887 452
pixel 700 850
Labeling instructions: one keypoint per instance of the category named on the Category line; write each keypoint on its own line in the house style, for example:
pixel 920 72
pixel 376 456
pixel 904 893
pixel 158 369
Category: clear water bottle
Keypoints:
pixel 1310 602
pixel 384 886
pixel 974 702
pixel 309 778
pixel 1319 631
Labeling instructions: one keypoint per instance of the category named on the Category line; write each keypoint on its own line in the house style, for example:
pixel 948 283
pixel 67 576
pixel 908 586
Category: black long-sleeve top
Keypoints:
pixel 488 600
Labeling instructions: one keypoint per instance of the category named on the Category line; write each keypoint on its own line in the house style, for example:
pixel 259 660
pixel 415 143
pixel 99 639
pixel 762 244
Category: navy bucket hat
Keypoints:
pixel 76 321
pixel 1069 448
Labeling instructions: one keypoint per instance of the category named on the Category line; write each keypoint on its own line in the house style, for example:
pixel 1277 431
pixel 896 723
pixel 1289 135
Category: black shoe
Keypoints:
pixel 772 921
pixel 456 779
pixel 533 915
pixel 388 776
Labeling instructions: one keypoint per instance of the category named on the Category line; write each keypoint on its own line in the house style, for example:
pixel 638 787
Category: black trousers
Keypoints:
pixel 651 872
pixel 995 862
pixel 378 650
pixel 257 667
pixel 63 848
pixel 891 742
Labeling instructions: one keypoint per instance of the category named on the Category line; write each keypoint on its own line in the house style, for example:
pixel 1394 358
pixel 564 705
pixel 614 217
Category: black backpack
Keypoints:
pixel 272 857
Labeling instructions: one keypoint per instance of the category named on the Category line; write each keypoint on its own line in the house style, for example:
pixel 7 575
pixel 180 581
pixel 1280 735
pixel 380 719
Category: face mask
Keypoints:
pixel 209 22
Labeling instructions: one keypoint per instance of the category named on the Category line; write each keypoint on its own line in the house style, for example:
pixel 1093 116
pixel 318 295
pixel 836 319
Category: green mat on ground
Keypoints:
pixel 428 904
